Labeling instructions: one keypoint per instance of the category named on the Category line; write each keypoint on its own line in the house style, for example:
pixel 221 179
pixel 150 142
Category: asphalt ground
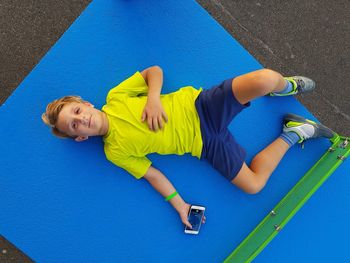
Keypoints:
pixel 310 38
pixel 298 37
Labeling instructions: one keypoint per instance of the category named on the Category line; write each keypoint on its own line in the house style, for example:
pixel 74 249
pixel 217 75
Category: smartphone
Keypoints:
pixel 195 216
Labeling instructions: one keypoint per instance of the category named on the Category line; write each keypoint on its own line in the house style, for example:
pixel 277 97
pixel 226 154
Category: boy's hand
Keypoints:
pixel 183 212
pixel 154 113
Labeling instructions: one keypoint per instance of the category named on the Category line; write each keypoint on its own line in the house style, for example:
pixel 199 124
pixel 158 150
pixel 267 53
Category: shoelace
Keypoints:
pixel 300 84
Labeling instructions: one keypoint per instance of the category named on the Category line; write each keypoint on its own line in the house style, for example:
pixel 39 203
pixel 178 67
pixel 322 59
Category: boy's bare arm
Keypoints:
pixel 157 179
pixel 153 111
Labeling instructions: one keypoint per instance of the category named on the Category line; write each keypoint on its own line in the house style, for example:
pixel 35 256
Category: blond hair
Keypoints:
pixel 53 109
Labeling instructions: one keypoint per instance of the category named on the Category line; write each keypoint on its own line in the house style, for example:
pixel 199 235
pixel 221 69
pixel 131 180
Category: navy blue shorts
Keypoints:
pixel 216 108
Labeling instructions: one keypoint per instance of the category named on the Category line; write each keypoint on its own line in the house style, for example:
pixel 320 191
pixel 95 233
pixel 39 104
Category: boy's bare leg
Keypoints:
pixel 259 83
pixel 252 179
pixel 256 84
pixel 246 88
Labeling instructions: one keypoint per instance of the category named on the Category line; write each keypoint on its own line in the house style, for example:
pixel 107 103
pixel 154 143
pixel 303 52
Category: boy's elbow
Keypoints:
pixel 254 188
pixel 158 68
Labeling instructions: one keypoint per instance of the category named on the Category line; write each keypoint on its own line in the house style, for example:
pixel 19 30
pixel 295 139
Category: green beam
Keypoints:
pixel 272 224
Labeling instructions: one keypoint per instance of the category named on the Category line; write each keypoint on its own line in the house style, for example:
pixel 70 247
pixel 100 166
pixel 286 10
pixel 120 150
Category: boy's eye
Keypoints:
pixel 77 110
pixel 74 125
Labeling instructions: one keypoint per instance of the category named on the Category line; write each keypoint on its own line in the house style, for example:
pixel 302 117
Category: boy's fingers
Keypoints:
pixel 188 224
pixel 160 122
pixel 150 125
pixel 185 221
pixel 165 117
pixel 143 117
pixel 155 124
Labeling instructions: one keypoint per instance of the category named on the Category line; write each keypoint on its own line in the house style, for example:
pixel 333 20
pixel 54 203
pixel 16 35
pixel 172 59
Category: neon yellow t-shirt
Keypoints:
pixel 129 140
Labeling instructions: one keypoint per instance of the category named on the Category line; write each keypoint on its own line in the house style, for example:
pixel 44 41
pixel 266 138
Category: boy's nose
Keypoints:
pixel 83 120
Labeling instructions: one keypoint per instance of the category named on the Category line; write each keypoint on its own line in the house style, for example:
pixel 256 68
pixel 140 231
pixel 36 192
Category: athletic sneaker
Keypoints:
pixel 305 129
pixel 300 85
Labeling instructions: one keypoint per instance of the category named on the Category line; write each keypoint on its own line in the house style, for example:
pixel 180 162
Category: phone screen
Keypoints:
pixel 195 218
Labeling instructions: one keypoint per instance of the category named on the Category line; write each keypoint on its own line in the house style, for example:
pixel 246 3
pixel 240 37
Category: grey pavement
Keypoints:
pixel 28 29
pixel 310 38
pixel 298 37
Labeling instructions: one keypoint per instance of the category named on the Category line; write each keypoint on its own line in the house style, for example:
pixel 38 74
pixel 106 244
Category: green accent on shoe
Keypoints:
pixel 295 124
pixel 300 85
pixel 293 92
pixel 305 128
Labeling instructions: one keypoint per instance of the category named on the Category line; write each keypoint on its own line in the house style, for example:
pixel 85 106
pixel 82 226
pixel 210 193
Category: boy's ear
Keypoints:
pixel 81 138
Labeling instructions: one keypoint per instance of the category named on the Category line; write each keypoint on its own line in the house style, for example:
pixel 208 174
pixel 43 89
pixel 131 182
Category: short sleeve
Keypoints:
pixel 133 86
pixel 137 166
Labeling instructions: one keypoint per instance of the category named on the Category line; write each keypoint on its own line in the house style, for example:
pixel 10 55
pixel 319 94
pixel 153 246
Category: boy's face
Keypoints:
pixel 82 120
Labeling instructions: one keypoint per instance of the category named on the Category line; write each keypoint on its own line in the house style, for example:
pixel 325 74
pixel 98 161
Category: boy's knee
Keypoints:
pixel 254 188
pixel 268 80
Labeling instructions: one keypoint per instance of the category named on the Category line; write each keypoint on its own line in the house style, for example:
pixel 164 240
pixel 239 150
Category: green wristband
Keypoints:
pixel 171 196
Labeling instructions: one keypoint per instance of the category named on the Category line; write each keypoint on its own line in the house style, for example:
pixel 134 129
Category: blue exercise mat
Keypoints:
pixel 62 201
